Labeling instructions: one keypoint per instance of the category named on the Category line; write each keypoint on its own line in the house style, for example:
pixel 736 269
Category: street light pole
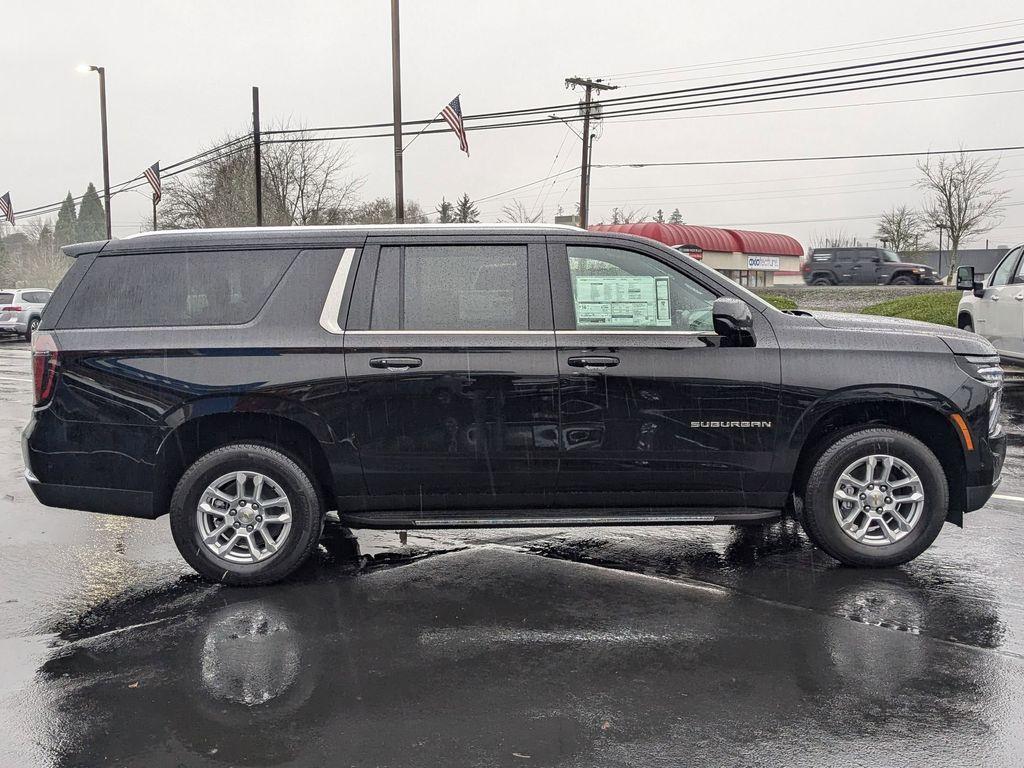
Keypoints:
pixel 941 228
pixel 103 129
pixel 396 96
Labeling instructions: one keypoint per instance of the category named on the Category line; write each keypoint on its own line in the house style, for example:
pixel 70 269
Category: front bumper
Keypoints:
pixel 977 496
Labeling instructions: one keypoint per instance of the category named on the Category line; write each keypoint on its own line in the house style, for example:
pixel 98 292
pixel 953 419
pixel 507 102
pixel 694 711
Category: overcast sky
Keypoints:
pixel 179 75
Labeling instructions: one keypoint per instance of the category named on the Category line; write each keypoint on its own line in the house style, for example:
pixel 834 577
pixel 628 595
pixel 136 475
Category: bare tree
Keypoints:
pixel 961 196
pixel 31 258
pixel 632 216
pixel 304 182
pixel 381 210
pixel 900 228
pixel 836 238
pixel 517 213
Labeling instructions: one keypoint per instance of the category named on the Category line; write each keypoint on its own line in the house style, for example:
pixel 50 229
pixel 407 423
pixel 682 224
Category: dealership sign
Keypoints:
pixel 763 262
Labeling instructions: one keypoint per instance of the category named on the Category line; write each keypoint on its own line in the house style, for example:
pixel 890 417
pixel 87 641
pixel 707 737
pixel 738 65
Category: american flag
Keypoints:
pixel 152 175
pixel 453 114
pixel 6 208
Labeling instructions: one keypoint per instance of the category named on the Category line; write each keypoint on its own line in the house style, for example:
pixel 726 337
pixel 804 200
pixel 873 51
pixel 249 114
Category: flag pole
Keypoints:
pixel 154 212
pixel 421 130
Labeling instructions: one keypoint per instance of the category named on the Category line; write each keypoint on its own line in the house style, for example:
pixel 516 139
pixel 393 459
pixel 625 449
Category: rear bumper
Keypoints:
pixel 13 326
pixel 109 501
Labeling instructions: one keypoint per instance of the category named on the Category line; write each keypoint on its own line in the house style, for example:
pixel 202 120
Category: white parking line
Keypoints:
pixel 16 378
pixel 1003 497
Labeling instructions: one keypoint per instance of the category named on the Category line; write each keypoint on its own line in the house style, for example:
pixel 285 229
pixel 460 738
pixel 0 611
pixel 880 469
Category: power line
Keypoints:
pixel 713 89
pixel 811 51
pixel 810 158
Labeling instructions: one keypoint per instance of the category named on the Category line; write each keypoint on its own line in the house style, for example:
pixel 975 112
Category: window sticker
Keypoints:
pixel 630 301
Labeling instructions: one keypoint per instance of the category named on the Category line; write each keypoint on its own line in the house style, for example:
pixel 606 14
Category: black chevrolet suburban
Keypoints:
pixel 245 382
pixel 864 266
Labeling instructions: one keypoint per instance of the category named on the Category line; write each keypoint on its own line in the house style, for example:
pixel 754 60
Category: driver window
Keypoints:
pixel 1018 276
pixel 624 290
pixel 1002 274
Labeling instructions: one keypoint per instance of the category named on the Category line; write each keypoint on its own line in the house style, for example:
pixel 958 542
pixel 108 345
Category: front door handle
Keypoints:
pixel 593 363
pixel 1019 297
pixel 395 363
pixel 995 297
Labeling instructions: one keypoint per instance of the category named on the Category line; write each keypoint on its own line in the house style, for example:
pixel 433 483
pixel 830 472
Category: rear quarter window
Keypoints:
pixel 174 289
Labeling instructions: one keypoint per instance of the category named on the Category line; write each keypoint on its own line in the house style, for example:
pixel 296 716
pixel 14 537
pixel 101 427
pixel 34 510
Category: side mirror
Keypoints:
pixel 733 322
pixel 965 281
pixel 876 259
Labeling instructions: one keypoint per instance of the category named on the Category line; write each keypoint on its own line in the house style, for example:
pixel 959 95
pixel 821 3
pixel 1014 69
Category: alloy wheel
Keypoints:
pixel 244 517
pixel 878 500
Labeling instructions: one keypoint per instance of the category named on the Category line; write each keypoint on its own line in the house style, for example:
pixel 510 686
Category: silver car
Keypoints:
pixel 20 309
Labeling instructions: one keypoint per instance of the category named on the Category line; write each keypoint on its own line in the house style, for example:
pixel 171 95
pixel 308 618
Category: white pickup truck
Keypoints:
pixel 994 308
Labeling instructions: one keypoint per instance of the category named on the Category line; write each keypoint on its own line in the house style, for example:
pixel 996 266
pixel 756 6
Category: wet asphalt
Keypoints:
pixel 695 646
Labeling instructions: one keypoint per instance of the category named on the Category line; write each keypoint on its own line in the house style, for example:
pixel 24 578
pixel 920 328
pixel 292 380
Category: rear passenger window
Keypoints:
pixel 451 288
pixel 203 288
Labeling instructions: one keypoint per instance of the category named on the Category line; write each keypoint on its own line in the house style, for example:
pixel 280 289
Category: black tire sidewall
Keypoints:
pixel 306 511
pixel 824 529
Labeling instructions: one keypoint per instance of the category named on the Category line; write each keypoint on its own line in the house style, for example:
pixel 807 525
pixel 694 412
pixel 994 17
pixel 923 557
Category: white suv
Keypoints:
pixel 20 309
pixel 995 308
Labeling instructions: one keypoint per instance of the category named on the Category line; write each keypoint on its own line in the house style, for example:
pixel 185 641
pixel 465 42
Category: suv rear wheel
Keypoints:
pixel 822 280
pixel 877 497
pixel 246 514
pixel 33 325
pixel 903 280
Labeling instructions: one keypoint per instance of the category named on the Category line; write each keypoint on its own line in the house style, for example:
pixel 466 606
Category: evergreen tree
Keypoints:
pixel 659 217
pixel 465 211
pixel 445 212
pixel 46 238
pixel 92 224
pixel 676 217
pixel 66 229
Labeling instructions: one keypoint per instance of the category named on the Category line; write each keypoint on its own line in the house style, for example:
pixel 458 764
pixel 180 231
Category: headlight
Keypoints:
pixel 986 369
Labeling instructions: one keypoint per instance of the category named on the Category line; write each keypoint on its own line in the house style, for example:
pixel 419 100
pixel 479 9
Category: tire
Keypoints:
pixel 967 325
pixel 902 280
pixel 33 324
pixel 822 281
pixel 875 550
pixel 302 511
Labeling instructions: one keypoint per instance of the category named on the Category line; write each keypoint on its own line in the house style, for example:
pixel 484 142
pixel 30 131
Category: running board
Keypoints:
pixel 530 519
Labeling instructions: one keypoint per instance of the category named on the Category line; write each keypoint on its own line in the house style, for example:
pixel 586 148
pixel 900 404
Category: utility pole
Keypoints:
pixel 256 154
pixel 396 95
pixel 589 87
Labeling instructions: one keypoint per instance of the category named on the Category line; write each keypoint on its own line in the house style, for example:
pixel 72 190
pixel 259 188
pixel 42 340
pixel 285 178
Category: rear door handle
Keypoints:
pixel 593 363
pixel 395 363
pixel 1019 297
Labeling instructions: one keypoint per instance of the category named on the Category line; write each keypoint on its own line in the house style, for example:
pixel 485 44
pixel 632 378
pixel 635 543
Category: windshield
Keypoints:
pixel 890 256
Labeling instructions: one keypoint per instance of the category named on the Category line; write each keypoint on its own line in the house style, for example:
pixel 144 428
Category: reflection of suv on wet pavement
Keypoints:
pixel 249 380
pixel 863 266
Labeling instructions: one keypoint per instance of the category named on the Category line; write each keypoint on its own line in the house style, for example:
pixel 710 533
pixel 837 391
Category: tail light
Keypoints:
pixel 10 309
pixel 44 365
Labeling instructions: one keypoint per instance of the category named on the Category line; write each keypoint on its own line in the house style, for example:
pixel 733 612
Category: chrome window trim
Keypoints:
pixel 436 332
pixel 332 304
pixel 440 332
pixel 597 332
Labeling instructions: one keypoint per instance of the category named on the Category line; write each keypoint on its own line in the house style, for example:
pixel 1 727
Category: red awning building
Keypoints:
pixel 750 258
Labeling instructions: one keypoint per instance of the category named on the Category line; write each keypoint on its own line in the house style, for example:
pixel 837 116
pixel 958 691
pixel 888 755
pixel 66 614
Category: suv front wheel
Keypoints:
pixel 246 514
pixel 877 497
